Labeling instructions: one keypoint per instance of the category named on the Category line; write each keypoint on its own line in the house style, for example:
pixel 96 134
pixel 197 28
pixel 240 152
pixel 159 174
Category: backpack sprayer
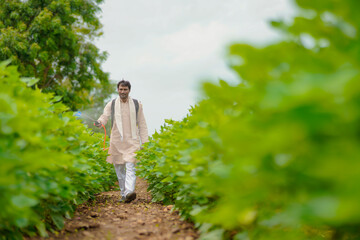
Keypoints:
pixel 79 114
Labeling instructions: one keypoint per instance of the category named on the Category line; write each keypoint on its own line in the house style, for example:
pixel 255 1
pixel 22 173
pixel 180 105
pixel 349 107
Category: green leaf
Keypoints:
pixel 21 222
pixel 58 220
pixel 56 99
pixel 30 81
pixel 5 63
pixel 42 229
pixel 22 201
pixel 180 173
pixel 216 234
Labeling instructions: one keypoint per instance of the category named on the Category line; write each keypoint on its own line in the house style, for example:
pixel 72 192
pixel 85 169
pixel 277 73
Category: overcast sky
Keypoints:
pixel 167 48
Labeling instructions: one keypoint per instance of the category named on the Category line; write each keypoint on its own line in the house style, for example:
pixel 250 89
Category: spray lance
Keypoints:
pixel 96 123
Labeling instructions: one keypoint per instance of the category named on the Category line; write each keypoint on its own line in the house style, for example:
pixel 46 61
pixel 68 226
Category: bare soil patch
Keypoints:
pixel 107 218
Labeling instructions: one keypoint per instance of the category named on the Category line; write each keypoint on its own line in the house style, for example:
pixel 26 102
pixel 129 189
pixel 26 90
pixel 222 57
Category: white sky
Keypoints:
pixel 166 48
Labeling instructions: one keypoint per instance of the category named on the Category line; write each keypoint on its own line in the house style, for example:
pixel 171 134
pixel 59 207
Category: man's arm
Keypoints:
pixel 105 116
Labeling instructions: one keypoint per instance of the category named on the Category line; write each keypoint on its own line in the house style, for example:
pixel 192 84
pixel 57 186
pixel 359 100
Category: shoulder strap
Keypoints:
pixel 136 102
pixel 112 112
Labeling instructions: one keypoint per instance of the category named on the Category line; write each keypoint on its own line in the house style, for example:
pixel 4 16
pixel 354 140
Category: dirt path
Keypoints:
pixel 106 218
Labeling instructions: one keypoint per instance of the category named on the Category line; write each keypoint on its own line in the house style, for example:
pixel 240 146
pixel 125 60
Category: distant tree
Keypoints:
pixel 52 40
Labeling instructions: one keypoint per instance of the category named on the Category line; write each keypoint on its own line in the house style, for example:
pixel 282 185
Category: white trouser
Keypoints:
pixel 126 176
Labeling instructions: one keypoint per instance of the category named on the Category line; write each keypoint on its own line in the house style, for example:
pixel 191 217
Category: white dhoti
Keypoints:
pixel 126 175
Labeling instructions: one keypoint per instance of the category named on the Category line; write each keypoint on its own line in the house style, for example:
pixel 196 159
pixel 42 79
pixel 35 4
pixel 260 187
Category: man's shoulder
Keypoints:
pixel 137 101
pixel 109 103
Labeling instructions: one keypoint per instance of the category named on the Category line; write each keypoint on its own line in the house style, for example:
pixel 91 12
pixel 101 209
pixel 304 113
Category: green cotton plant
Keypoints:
pixel 50 161
pixel 163 187
pixel 275 156
pixel 173 163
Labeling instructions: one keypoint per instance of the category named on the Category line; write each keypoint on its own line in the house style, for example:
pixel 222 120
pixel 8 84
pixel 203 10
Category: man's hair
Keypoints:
pixel 124 83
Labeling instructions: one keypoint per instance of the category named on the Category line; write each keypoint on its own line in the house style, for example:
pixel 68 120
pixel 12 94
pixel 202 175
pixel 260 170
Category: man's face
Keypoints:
pixel 123 92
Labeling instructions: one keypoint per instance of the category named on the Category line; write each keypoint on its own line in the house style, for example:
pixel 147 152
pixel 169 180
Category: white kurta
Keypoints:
pixel 123 150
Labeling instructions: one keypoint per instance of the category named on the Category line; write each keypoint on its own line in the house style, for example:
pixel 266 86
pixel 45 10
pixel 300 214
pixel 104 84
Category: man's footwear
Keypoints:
pixel 130 197
pixel 122 199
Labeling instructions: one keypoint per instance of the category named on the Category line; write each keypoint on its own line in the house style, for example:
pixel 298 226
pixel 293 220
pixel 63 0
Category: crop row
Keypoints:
pixel 50 162
pixel 275 156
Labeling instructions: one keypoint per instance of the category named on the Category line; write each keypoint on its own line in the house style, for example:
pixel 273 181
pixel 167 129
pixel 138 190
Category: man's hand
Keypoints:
pixel 97 124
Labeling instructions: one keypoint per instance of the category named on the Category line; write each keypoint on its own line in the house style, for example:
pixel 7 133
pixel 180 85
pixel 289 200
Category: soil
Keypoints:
pixel 107 218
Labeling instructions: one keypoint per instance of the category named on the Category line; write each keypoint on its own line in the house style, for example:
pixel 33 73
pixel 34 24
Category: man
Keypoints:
pixel 128 132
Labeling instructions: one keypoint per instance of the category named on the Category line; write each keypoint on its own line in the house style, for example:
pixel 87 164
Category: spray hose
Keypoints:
pixel 104 149
pixel 79 114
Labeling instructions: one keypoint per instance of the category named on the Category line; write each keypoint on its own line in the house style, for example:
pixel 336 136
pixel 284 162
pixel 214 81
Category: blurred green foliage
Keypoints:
pixel 276 156
pixel 53 41
pixel 50 162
